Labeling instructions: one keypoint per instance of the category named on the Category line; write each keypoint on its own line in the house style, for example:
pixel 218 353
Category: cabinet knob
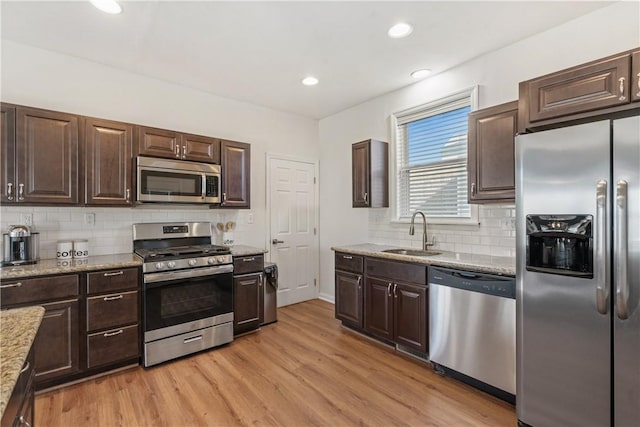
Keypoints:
pixel 26 367
pixel 389 289
pixel 9 191
pixel 23 421
pixel 366 197
pixel 395 290
pixel 638 93
pixel 20 191
pixel 128 195
pixel 621 81
pixel 177 151
pixel 473 188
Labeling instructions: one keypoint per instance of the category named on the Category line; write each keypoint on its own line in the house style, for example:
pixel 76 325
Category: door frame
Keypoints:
pixel 316 238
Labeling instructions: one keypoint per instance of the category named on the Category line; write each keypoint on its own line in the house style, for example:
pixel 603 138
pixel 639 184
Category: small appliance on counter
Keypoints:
pixel 20 246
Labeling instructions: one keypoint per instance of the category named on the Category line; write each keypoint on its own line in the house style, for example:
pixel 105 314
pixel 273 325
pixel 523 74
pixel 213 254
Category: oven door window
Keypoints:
pixel 153 182
pixel 186 300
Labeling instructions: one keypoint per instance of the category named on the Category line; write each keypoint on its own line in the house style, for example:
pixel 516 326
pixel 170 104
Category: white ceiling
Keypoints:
pixel 259 51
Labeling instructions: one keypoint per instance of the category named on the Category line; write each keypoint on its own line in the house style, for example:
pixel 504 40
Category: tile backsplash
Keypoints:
pixel 111 232
pixel 495 235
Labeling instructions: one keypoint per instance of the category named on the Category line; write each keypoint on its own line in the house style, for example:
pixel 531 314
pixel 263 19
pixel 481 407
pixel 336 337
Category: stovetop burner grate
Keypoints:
pixel 182 252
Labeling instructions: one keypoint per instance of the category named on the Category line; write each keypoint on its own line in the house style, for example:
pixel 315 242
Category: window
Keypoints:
pixel 431 153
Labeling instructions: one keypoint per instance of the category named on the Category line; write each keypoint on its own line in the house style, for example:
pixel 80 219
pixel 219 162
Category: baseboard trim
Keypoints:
pixel 327 298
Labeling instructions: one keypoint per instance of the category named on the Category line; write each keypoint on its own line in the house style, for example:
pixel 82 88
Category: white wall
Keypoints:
pixel 46 79
pixel 604 32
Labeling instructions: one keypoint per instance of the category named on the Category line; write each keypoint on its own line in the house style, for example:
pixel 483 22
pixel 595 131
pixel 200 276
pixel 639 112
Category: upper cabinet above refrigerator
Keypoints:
pixel 602 87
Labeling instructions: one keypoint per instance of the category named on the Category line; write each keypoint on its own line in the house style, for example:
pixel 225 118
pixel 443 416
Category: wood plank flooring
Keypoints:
pixel 304 370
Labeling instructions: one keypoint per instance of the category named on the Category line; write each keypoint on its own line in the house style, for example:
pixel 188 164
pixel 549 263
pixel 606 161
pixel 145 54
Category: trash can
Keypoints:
pixel 270 290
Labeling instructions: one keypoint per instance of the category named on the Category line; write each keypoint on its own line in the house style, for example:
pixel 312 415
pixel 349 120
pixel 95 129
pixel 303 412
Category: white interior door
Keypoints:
pixel 293 241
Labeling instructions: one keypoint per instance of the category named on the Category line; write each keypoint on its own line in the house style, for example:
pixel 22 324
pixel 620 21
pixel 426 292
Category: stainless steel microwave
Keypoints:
pixel 177 181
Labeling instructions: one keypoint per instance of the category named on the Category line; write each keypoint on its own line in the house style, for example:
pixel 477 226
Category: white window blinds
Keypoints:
pixel 432 159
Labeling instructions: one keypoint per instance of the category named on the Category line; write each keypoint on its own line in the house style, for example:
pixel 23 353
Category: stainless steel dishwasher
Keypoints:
pixel 472 329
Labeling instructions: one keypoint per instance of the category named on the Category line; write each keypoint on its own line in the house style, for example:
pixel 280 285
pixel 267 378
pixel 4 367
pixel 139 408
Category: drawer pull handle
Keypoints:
pixel 113 298
pixel 248 259
pixel 621 89
pixel 193 339
pixel 113 334
pixel 347 257
pixel 11 285
pixel 23 421
pixel 26 367
pixel 118 273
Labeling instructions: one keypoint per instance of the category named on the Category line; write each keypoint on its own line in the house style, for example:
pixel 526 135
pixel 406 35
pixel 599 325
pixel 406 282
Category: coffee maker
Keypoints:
pixel 20 246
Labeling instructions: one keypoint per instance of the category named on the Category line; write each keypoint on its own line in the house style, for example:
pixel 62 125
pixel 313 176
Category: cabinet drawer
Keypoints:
pixel 109 311
pixel 396 271
pixel 21 291
pixel 248 264
pixel 348 262
pixel 112 280
pixel 112 346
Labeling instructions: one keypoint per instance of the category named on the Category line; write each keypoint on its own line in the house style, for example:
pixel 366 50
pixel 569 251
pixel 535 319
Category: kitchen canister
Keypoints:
pixel 80 248
pixel 64 250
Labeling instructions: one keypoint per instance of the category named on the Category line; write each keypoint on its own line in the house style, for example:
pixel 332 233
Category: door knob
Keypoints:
pixel 276 241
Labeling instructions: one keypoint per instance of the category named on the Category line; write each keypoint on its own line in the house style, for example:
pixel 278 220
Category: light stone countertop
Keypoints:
pixel 479 263
pixel 243 250
pixel 54 266
pixel 18 328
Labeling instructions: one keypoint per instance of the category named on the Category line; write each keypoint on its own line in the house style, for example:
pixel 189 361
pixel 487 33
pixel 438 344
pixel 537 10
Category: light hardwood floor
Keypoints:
pixel 305 370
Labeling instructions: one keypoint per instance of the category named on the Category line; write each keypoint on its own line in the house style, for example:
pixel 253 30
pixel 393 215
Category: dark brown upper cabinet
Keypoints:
pixel 635 76
pixel 175 145
pixel 236 174
pixel 7 151
pixel 370 174
pixel 46 158
pixel 581 93
pixel 108 162
pixel 491 162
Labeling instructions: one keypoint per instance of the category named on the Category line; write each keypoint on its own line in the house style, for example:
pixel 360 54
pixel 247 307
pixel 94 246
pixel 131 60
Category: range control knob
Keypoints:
pixel 171 264
pixel 211 260
pixel 160 265
pixel 220 259
pixel 192 262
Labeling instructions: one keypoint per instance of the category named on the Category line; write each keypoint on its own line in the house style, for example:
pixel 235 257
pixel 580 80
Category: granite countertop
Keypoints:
pixel 243 250
pixel 18 328
pixel 54 266
pixel 479 263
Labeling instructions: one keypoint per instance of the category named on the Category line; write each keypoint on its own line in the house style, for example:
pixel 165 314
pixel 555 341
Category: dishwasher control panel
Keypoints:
pixel 490 284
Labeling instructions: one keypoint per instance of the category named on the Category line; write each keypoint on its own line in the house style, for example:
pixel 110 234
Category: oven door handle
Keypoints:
pixel 187 274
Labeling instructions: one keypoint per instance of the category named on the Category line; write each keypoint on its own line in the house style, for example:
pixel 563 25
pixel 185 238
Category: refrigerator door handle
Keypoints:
pixel 602 269
pixel 621 251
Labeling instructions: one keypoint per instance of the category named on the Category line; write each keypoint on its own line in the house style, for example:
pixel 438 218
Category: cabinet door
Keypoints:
pixel 46 156
pixel 591 86
pixel 247 295
pixel 108 164
pixel 635 76
pixel 201 148
pixel 236 174
pixel 7 146
pixel 378 307
pixel 361 180
pixel 491 161
pixel 57 342
pixel 349 298
pixel 410 315
pixel 158 142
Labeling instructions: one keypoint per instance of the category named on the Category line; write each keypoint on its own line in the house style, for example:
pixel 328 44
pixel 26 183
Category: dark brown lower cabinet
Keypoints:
pixel 378 308
pixel 57 343
pixel 348 304
pixel 247 297
pixel 410 315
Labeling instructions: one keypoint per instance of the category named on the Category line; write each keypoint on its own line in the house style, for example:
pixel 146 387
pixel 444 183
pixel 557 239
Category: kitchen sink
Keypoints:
pixel 411 252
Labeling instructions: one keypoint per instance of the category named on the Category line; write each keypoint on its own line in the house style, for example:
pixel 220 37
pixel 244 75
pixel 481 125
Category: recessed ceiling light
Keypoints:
pixel 400 30
pixel 420 74
pixel 108 6
pixel 310 81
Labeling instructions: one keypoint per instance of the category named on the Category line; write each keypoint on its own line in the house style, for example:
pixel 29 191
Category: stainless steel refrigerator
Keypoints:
pixel 578 275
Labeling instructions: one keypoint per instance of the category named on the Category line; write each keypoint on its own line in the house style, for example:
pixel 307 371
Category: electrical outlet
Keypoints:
pixel 250 218
pixel 89 219
pixel 26 219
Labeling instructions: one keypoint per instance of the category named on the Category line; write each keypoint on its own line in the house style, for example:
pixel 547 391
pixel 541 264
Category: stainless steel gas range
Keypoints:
pixel 187 289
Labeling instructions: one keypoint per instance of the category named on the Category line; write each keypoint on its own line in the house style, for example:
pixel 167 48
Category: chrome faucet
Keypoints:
pixel 412 230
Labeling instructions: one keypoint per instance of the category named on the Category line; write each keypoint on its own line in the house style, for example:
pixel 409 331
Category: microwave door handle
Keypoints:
pixel 204 186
